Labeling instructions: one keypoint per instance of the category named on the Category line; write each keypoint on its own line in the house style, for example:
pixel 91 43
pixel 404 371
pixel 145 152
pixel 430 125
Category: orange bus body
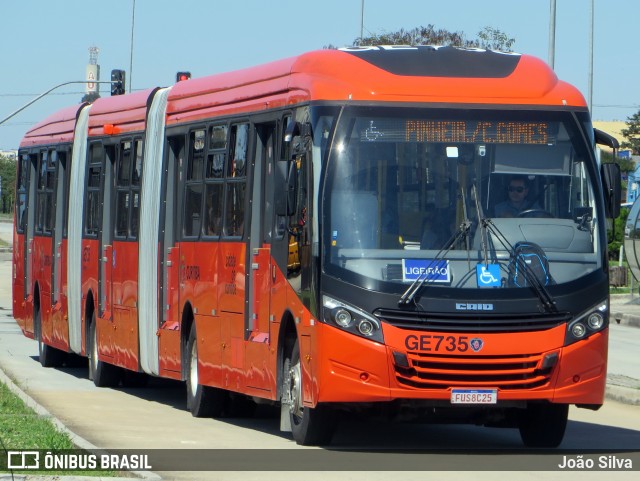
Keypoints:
pixel 234 291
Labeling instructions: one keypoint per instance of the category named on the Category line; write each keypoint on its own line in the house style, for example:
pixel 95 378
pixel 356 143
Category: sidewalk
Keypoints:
pixel 625 310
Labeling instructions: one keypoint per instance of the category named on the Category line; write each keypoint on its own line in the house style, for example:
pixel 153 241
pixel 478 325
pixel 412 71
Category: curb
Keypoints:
pixel 77 440
pixel 623 394
pixel 625 319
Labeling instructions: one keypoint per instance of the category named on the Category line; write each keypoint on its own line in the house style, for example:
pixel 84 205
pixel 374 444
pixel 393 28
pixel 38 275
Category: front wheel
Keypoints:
pixel 543 425
pixel 309 426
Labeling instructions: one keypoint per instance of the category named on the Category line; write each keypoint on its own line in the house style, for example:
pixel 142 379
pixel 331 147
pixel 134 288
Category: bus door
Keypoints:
pixel 105 313
pixel 262 279
pixel 59 274
pixel 124 253
pixel 169 332
pixel 30 212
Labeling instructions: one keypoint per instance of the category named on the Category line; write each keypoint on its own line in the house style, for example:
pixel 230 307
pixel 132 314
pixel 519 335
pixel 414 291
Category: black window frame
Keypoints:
pixel 127 186
pixel 93 193
pixel 45 186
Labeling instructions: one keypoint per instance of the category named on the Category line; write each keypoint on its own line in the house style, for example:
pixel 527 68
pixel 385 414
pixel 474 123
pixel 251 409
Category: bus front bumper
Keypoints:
pixel 518 366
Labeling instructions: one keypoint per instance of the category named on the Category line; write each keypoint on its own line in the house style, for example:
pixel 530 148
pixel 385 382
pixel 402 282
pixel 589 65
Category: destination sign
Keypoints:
pixel 460 131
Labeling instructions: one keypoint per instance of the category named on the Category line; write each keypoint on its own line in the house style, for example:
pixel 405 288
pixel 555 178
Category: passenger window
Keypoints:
pixel 194 188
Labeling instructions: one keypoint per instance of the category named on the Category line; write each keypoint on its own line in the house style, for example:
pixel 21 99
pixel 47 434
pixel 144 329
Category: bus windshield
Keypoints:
pixel 409 189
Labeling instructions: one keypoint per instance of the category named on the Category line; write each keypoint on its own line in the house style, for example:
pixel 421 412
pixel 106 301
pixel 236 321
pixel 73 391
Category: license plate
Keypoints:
pixel 474 396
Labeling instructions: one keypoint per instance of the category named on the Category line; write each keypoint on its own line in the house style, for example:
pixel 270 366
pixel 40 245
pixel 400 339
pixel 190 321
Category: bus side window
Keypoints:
pixel 92 200
pixel 236 180
pixel 192 220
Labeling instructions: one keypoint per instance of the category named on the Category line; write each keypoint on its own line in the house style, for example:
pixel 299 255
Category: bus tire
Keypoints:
pixel 309 426
pixel 102 373
pixel 202 401
pixel 543 425
pixel 48 356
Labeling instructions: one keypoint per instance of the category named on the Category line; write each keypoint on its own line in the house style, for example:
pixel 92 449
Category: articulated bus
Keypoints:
pixel 326 233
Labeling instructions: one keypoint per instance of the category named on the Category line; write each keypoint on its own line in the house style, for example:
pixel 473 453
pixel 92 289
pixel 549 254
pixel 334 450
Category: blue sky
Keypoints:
pixel 46 42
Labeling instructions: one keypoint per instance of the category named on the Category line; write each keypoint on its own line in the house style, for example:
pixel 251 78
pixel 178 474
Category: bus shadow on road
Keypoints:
pixel 381 434
pixel 396 435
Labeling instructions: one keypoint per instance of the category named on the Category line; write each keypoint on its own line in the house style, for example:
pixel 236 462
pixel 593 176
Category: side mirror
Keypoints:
pixel 295 139
pixel 612 185
pixel 286 199
pixel 293 130
pixel 292 189
pixel 604 138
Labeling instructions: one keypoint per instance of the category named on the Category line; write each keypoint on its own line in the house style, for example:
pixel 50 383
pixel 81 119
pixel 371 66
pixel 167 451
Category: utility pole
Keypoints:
pixel 133 22
pixel 552 34
pixel 361 20
pixel 590 90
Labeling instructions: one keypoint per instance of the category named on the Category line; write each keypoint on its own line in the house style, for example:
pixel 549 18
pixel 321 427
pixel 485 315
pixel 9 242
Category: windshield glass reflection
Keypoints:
pixel 405 188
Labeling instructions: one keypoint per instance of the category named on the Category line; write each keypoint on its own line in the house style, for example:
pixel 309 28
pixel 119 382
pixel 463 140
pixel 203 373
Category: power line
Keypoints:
pixel 614 106
pixel 33 95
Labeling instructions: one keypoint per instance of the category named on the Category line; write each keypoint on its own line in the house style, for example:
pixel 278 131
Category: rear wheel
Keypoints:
pixel 102 373
pixel 309 426
pixel 202 401
pixel 543 425
pixel 49 356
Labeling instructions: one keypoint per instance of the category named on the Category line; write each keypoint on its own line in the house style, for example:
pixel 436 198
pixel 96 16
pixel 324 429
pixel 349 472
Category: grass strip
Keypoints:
pixel 23 429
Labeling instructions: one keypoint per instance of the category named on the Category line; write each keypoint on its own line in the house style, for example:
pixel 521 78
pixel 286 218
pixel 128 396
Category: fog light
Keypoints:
pixel 578 330
pixel 366 327
pixel 343 318
pixel 595 320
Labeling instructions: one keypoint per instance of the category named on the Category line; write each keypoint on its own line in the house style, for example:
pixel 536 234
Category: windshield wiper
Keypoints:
pixel 538 287
pixel 487 225
pixel 463 231
pixel 482 221
pixel 416 285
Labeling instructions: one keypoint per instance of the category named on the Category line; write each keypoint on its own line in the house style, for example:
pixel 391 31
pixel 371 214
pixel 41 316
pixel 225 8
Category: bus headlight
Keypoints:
pixel 595 321
pixel 343 318
pixel 589 322
pixel 350 319
pixel 578 330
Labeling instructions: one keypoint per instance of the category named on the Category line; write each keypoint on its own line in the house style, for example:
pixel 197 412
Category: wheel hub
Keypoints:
pixel 295 390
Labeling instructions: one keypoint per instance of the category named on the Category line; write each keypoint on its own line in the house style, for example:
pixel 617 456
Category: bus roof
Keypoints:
pixel 424 74
pixel 119 113
pixel 444 76
pixel 55 129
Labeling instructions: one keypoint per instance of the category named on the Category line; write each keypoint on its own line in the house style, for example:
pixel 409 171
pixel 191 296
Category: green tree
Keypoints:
pixel 616 238
pixel 488 37
pixel 8 174
pixel 626 165
pixel 493 39
pixel 632 134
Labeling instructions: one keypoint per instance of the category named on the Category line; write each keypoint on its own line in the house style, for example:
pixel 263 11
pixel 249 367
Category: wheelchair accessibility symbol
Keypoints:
pixel 488 275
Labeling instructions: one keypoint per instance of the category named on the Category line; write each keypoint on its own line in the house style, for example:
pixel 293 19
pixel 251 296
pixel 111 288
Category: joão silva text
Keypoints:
pixel 602 462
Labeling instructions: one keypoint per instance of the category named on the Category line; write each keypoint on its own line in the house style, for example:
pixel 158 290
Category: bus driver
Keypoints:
pixel 517 202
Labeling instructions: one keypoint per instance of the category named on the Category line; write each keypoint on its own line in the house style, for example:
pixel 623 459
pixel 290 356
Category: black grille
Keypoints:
pixel 471 322
pixel 514 372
